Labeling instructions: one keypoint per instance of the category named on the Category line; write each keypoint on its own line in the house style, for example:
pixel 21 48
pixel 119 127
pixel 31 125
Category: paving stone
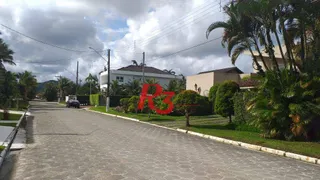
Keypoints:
pixel 76 144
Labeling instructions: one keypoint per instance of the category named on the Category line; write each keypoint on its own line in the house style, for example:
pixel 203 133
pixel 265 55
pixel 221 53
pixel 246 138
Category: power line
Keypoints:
pixel 188 48
pixel 176 29
pixel 43 42
pixel 186 21
pixel 205 5
pixel 203 14
pixel 171 31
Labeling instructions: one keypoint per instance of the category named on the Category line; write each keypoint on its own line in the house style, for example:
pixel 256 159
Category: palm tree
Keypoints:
pixel 173 86
pixel 63 86
pixel 169 71
pixel 134 62
pixel 27 82
pixel 6 54
pixel 92 80
pixel 133 88
pixel 236 35
pixel 116 88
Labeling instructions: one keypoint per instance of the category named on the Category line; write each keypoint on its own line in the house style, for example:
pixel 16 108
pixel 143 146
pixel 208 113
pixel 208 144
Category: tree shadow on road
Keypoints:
pixel 29 129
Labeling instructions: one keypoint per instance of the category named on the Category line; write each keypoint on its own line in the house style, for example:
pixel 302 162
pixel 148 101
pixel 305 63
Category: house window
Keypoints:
pixel 119 78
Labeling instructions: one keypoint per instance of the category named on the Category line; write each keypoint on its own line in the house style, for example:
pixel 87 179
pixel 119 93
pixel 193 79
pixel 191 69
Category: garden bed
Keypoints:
pixel 218 126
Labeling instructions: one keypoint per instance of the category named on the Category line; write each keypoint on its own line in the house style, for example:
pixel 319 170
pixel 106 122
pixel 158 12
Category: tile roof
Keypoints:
pixel 147 69
pixel 225 70
pixel 248 83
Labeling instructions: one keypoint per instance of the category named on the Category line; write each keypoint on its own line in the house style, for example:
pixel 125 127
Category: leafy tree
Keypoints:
pixel 50 91
pixel 213 94
pixel 187 102
pixel 224 101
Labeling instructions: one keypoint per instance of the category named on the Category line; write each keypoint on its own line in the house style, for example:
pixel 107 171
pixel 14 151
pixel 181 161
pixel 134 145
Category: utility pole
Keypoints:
pixel 108 90
pixel 60 93
pixel 143 64
pixel 77 76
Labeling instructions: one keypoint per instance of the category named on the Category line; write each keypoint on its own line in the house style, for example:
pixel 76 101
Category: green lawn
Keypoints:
pixel 8 124
pixel 218 126
pixel 11 116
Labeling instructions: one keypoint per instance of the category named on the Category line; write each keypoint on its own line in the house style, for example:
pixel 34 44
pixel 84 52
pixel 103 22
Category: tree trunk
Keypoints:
pixel 259 68
pixel 281 51
pixel 260 54
pixel 271 51
pixel 187 120
pixel 230 119
pixel 302 43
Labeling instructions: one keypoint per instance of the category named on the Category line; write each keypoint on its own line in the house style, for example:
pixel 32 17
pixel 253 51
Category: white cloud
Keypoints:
pixel 169 27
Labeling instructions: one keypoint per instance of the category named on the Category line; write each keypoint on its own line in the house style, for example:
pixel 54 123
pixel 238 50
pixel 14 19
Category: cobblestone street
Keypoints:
pixel 70 144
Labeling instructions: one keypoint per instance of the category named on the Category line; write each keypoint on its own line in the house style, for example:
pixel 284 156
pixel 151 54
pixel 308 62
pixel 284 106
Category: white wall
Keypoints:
pixel 128 76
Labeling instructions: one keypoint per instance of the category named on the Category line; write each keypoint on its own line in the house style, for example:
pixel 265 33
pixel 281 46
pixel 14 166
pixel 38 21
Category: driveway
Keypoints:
pixel 76 144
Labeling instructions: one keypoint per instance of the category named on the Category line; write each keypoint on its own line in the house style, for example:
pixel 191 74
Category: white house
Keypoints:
pixel 133 72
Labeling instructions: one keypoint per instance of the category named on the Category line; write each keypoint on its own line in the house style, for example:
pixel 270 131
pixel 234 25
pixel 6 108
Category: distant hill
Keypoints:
pixel 40 87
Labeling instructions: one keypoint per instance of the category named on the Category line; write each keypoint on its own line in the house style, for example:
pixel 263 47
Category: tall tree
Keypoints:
pixel 92 80
pixel 27 83
pixel 236 35
pixel 64 85
pixel 6 54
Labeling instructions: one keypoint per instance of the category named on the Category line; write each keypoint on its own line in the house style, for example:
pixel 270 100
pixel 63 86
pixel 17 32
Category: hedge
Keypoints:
pixel 240 99
pixel 94 99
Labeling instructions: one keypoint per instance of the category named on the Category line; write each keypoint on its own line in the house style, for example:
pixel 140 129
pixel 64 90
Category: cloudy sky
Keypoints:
pixel 160 28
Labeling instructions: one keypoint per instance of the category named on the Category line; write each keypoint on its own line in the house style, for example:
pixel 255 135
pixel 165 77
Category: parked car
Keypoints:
pixel 73 103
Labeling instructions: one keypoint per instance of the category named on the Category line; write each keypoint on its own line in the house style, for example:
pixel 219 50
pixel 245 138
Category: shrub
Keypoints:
pixel 223 101
pixel 212 94
pixel 94 99
pixel 287 106
pixel 241 100
pixel 133 104
pixel 204 108
pixel 124 102
pixel 188 102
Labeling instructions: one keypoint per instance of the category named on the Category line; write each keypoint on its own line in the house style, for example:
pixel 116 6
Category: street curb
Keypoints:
pixel 228 141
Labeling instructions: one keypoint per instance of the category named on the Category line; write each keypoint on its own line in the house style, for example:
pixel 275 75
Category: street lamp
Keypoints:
pixel 108 90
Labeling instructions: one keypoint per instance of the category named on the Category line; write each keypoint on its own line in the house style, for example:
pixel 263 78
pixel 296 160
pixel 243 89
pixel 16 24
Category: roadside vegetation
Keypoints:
pixel 219 126
pixel 282 111
pixel 16 89
pixel 14 117
pixel 2 148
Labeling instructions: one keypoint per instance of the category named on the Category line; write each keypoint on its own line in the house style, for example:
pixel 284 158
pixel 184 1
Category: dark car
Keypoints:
pixel 73 103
